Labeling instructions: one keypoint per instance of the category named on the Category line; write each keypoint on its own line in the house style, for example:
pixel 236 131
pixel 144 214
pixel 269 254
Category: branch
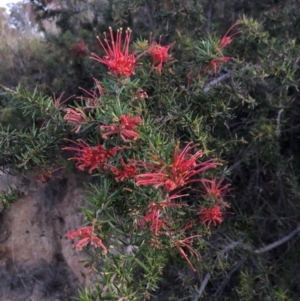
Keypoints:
pixel 248 151
pixel 227 279
pixel 229 247
pixel 165 118
pixel 205 90
pixel 148 14
pixel 202 287
pixel 291 128
pixel 278 122
pixel 217 80
pixel 278 242
pixel 208 20
pixel 241 262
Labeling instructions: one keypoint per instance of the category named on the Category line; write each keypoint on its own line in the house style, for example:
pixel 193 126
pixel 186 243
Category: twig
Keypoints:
pixel 246 153
pixel 291 128
pixel 229 247
pixel 241 262
pixel 278 242
pixel 217 80
pixel 258 251
pixel 278 122
pixel 208 20
pixel 281 194
pixel 205 90
pixel 227 278
pixel 202 287
pixel 149 16
pixel 165 118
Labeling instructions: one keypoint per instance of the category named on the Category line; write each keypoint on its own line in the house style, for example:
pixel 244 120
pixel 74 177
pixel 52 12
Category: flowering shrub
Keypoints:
pixel 156 133
pixel 157 208
pixel 154 194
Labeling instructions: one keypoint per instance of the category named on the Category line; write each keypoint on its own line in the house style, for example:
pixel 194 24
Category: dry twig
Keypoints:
pixel 242 261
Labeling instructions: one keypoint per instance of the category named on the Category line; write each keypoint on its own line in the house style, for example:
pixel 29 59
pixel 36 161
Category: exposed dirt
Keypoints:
pixel 37 262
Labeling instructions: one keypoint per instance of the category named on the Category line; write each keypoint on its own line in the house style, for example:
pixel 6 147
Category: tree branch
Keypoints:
pixel 278 242
pixel 227 279
pixel 149 15
pixel 233 245
pixel 205 90
pixel 229 247
pixel 202 287
pixel 209 13
pixel 217 80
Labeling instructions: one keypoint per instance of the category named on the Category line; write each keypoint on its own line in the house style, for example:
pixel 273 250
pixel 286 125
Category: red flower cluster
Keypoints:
pixel 159 54
pixel 226 40
pixel 117 57
pixel 92 157
pixel 87 236
pixel 92 99
pixel 79 49
pixel 211 215
pixel 154 218
pixel 187 244
pixel 178 174
pixel 128 171
pixel 140 94
pixel 215 62
pixel 75 117
pixel 214 190
pixel 126 128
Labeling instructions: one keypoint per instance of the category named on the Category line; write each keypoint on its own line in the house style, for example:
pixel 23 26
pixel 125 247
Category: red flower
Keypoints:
pixel 140 94
pixel 75 117
pixel 178 174
pixel 84 231
pixel 87 236
pixel 92 157
pixel 126 128
pixel 227 39
pixel 93 98
pixel 117 57
pixel 128 171
pixel 157 179
pixel 58 101
pixel 153 217
pixel 166 203
pixel 211 215
pixel 215 62
pixel 159 54
pixel 186 243
pixel 214 190
pixel 79 49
